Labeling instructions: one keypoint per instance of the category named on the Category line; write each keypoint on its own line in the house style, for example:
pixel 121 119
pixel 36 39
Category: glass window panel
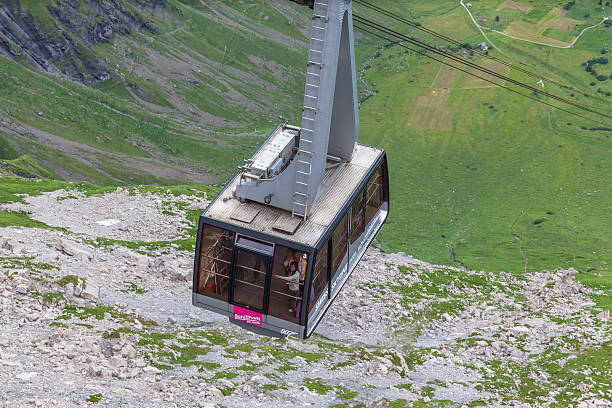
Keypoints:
pixel 358 217
pixel 319 279
pixel 215 262
pixel 374 194
pixel 250 272
pixel 286 289
pixel 339 244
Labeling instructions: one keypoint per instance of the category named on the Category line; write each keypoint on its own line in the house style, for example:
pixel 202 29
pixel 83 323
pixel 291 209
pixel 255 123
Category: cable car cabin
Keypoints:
pixel 272 277
pixel 279 242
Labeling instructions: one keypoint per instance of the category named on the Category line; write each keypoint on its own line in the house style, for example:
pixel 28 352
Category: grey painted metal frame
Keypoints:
pixel 355 251
pixel 330 121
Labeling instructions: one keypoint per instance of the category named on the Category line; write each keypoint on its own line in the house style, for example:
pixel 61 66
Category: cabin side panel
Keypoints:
pixel 213 267
pixel 351 236
pixel 319 292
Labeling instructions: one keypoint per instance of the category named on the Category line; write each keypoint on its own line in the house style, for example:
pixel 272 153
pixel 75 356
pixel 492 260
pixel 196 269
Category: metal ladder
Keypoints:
pixel 310 110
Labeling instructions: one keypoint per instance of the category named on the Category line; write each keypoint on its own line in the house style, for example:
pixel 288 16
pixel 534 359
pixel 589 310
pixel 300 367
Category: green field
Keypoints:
pixel 7 150
pixel 483 176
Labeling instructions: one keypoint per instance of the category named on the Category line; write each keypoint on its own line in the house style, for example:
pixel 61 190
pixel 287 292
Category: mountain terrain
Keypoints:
pixel 482 175
pixel 126 92
pixel 489 285
pixel 174 92
pixel 96 311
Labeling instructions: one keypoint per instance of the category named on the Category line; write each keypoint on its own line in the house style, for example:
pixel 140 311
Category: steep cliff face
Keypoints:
pixel 58 36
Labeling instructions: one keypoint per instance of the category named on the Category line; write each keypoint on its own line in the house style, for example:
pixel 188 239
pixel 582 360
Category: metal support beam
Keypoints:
pixel 330 122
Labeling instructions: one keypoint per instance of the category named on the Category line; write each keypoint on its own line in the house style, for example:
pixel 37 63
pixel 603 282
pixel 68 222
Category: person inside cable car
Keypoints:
pixel 297 257
pixel 293 280
pixel 288 259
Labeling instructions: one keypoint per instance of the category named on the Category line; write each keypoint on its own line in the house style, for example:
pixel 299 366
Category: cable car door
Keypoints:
pixel 251 273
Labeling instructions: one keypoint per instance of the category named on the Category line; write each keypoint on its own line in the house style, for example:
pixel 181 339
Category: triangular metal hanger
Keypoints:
pixel 330 121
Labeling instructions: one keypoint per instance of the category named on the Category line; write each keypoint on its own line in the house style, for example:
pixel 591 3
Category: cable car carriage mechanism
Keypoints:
pixel 279 242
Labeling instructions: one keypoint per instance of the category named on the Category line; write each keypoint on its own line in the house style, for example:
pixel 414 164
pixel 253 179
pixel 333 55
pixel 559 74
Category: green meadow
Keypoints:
pixel 187 100
pixel 483 176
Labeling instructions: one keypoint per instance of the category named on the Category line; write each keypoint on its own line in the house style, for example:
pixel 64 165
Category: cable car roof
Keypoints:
pixel 340 182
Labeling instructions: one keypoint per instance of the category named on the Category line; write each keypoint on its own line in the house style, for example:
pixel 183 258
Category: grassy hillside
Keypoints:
pixel 185 100
pixel 479 175
pixel 482 175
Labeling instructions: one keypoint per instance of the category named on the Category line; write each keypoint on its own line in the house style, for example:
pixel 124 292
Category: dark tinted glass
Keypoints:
pixel 374 194
pixel 215 262
pixel 285 293
pixel 250 278
pixel 255 245
pixel 339 244
pixel 358 216
pixel 319 279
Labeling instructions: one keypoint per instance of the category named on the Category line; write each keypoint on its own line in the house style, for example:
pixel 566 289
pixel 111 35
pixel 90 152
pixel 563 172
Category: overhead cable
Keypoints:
pixel 475 66
pixel 418 26
pixel 478 76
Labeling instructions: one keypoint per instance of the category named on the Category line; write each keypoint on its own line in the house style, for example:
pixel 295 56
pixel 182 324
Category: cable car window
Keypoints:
pixel 358 211
pixel 250 270
pixel 255 245
pixel 319 279
pixel 287 287
pixel 374 194
pixel 215 262
pixel 339 244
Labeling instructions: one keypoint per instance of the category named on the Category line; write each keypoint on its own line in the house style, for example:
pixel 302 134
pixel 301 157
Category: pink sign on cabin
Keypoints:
pixel 247 316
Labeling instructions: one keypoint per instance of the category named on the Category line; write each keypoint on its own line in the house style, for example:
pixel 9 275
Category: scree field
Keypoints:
pixel 496 198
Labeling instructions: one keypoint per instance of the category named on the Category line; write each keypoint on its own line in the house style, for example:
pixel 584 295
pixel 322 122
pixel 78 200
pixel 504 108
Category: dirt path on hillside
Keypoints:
pixel 159 165
pixel 570 45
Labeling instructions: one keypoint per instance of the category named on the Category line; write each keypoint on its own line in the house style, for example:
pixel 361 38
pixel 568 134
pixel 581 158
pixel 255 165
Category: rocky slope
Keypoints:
pixel 59 36
pixel 85 320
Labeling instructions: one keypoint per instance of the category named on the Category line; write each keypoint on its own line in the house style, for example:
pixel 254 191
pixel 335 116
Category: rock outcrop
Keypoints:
pixel 59 38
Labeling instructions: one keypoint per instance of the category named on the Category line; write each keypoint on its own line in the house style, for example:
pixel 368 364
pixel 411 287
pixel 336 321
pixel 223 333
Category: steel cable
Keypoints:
pixel 486 55
pixel 480 77
pixel 463 61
